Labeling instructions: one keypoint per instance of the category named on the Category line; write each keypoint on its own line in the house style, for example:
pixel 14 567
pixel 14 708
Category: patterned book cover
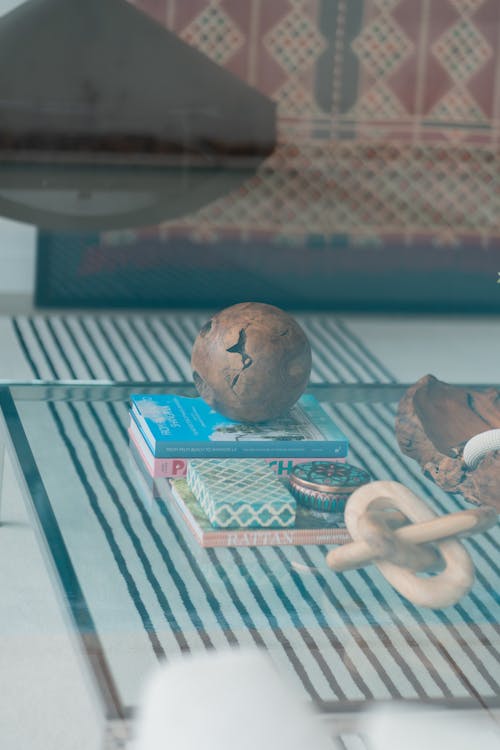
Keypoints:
pixel 309 527
pixel 242 492
pixel 177 426
pixel 175 468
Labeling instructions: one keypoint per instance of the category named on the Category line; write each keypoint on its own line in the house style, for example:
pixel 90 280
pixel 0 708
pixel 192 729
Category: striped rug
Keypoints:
pixel 158 346
pixel 344 639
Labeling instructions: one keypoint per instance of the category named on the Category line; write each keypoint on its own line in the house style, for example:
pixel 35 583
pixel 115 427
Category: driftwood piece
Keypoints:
pixel 434 422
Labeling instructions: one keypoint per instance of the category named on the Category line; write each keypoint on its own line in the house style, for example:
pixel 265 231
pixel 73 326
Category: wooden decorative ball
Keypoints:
pixel 251 362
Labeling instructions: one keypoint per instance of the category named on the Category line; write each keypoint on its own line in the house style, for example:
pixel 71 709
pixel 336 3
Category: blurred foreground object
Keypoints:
pixel 400 729
pixel 230 700
pixel 435 420
pixel 422 543
pixel 251 362
pixel 109 120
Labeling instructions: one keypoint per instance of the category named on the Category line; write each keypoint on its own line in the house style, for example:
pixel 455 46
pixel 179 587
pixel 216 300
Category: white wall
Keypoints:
pixel 6 5
pixel 17 241
pixel 17 257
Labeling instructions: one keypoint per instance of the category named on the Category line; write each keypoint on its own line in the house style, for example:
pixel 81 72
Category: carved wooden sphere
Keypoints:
pixel 251 362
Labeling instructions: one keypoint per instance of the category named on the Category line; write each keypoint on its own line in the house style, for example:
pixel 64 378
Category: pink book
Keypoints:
pixel 176 468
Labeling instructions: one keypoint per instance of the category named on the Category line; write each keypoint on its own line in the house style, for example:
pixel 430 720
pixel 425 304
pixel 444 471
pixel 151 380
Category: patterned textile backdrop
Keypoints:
pixel 387 161
pixel 388 109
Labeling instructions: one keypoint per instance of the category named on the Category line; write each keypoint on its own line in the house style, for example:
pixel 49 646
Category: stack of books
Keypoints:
pixel 167 431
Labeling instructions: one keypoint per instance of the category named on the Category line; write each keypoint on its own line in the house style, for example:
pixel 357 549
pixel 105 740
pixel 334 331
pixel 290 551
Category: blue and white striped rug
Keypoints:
pixel 344 638
pixel 157 347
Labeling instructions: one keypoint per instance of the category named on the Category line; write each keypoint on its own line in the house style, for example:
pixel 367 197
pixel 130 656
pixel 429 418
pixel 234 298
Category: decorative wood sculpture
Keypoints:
pixel 425 543
pixel 434 422
pixel 251 362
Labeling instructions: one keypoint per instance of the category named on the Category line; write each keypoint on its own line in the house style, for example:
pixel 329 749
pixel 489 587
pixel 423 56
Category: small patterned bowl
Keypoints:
pixel 325 486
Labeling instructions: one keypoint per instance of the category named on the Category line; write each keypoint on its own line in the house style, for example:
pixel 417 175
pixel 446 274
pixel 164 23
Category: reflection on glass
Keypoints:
pixel 324 154
pixel 110 120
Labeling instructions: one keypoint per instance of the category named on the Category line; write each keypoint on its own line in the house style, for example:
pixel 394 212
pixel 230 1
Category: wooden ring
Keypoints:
pixel 442 590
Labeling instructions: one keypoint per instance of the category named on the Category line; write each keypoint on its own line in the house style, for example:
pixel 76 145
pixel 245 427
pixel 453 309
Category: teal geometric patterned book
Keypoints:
pixel 241 493
pixel 176 426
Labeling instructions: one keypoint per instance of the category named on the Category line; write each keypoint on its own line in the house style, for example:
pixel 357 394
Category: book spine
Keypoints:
pixel 258 537
pixel 279 538
pixel 273 450
pixel 164 468
pixel 283 466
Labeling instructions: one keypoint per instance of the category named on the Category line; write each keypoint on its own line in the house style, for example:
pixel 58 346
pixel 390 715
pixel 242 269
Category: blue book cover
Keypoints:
pixel 177 426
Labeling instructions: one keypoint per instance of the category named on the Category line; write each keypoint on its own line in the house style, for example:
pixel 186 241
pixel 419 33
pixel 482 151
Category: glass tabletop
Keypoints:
pixel 140 588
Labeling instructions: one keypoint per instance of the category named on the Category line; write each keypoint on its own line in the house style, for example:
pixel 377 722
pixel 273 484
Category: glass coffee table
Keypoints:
pixel 138 588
